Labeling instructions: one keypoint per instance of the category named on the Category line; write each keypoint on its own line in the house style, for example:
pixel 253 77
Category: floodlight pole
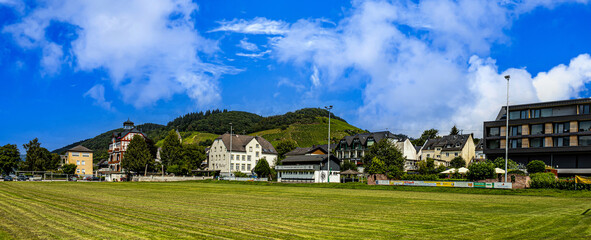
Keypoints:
pixel 229 157
pixel 507 129
pixel 328 146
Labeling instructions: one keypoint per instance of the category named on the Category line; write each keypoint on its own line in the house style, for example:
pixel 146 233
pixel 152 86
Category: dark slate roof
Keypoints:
pixel 307 150
pixel 377 136
pixel 448 143
pixel 122 134
pixel 79 148
pixel 307 159
pixel 128 122
pixel 239 143
pixel 417 148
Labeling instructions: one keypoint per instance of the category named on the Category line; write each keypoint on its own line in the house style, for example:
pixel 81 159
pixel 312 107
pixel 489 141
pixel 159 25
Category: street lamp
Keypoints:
pixel 229 157
pixel 507 129
pixel 328 108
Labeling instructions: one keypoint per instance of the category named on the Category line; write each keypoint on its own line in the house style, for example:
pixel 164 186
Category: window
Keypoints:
pixel 248 167
pixel 438 156
pixel 428 155
pixel 77 170
pixel 83 171
pixel 86 155
pixel 75 154
pixel 535 113
pixel 584 126
pixel 515 143
pixel 584 109
pixel 438 149
pixel 78 162
pixel 537 129
pixel 231 166
pixel 447 154
pixel 518 114
pixel 243 157
pixel 493 144
pixel 561 127
pixel 250 149
pixel 536 142
pixel 243 167
pixel 584 140
pixel 257 146
pixel 561 141
pixel 456 154
pixel 546 112
pixel 83 163
pixel 515 131
pixel 493 132
pixel 249 158
pixel 232 157
pixel 257 154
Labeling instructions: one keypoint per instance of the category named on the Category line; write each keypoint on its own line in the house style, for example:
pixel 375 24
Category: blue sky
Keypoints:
pixel 73 69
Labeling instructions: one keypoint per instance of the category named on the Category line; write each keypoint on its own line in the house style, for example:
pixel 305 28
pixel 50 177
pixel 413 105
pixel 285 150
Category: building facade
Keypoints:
pixel 558 133
pixel 309 168
pixel 82 157
pixel 245 150
pixel 117 149
pixel 446 148
pixel 353 148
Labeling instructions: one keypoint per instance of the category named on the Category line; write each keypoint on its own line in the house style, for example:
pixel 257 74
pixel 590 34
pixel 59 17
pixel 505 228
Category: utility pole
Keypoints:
pixel 507 129
pixel 328 167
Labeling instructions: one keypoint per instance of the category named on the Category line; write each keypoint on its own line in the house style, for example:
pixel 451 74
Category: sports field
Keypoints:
pixel 51 210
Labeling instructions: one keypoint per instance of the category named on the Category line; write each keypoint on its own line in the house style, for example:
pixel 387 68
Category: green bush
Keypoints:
pixel 536 166
pixel 420 177
pixel 480 171
pixel 239 174
pixel 542 180
pixel 457 162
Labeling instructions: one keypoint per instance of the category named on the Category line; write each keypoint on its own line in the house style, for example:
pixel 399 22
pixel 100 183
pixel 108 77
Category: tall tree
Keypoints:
pixel 137 157
pixel 427 134
pixel 171 152
pixel 348 165
pixel 192 157
pixel 454 131
pixel 69 168
pixel 386 152
pixel 262 168
pixel 284 147
pixel 38 158
pixel 9 158
pixel 457 162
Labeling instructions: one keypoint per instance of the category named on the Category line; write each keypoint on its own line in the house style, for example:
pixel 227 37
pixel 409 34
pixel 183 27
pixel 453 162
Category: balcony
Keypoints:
pixel 297 167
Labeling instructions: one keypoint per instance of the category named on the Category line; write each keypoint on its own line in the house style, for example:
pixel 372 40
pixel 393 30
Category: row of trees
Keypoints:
pixel 176 158
pixel 37 159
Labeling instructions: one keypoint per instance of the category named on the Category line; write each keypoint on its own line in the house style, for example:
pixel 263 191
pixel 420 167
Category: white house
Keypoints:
pixel 239 153
pixel 313 168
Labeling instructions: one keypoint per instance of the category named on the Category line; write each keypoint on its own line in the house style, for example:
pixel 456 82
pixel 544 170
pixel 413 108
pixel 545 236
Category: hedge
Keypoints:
pixel 548 180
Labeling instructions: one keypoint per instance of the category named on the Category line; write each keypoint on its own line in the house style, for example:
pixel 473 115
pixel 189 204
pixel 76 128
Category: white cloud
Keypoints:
pixel 563 82
pixel 98 94
pixel 315 78
pixel 289 83
pixel 148 55
pixel 415 62
pixel 259 25
pixel 254 55
pixel 52 58
pixel 246 45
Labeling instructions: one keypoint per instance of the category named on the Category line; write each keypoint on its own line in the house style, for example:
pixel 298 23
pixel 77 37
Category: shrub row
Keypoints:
pixel 420 177
pixel 548 180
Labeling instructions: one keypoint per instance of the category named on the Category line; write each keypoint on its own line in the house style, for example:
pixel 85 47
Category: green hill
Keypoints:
pixel 309 134
pixel 306 126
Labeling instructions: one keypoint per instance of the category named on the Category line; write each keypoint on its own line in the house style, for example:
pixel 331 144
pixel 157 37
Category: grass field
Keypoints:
pixel 209 210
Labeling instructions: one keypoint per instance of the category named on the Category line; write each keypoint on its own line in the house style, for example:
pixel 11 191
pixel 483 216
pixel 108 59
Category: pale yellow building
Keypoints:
pixel 82 157
pixel 449 147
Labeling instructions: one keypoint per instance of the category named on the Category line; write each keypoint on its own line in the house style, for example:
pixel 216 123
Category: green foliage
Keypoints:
pixel 348 165
pixel 69 168
pixel 38 158
pixel 137 156
pixel 542 180
pixel 388 153
pixel 192 157
pixel 500 163
pixel 376 166
pixel 428 166
pixel 240 174
pixel 9 158
pixel 427 134
pixel 536 166
pixel 262 168
pixel 175 169
pixel 420 177
pixel 457 162
pixel 171 151
pixel 481 170
pixel 284 147
pixel 454 131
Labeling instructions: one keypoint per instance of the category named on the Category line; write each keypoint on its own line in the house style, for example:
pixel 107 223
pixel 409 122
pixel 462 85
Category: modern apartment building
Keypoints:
pixel 82 157
pixel 243 155
pixel 558 133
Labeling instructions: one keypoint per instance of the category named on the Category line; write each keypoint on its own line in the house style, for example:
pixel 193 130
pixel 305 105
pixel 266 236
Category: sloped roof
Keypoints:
pixel 124 133
pixel 448 143
pixel 307 150
pixel 377 136
pixel 308 159
pixel 239 143
pixel 79 148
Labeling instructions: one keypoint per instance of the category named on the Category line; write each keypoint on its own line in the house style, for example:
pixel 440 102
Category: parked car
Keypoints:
pixel 7 178
pixel 22 178
pixel 88 178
